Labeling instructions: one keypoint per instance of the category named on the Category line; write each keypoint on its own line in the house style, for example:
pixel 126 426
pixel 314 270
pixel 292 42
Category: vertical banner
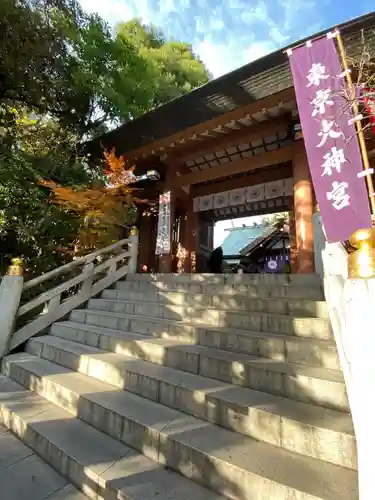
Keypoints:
pixel 330 138
pixel 369 100
pixel 163 238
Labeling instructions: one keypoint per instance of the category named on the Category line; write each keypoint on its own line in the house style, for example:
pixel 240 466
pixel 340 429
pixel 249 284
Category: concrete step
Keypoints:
pixel 308 308
pixel 98 464
pixel 309 430
pixel 24 475
pixel 289 291
pixel 231 279
pixel 138 316
pixel 295 381
pixel 315 352
pixel 231 464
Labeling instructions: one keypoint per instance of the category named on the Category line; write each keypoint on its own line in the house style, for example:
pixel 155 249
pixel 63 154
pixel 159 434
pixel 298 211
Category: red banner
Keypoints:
pixel 369 100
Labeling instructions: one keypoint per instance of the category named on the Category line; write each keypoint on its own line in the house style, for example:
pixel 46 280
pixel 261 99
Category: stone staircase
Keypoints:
pixel 189 387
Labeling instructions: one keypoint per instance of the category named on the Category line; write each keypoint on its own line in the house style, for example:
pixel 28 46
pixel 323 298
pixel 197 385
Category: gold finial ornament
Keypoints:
pixel 133 231
pixel 361 263
pixel 16 269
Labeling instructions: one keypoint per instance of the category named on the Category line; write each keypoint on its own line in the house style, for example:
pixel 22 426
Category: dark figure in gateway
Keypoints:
pixel 215 262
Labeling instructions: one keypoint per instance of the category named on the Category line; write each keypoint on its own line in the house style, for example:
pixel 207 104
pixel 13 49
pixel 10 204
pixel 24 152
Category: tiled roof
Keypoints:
pixel 240 237
pixel 266 236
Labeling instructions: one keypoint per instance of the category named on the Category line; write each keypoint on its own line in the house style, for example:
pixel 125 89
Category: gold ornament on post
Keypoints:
pixel 361 263
pixel 133 231
pixel 16 269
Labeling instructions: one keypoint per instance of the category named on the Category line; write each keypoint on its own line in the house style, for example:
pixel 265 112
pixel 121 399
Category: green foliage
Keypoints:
pixel 276 220
pixel 173 66
pixel 56 59
pixel 30 226
pixel 64 76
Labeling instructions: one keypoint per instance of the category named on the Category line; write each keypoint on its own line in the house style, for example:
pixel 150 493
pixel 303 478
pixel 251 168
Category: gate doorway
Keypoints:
pixel 258 244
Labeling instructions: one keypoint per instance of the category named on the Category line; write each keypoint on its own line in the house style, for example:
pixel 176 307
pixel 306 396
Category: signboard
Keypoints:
pixel 330 138
pixel 163 238
pixel 238 197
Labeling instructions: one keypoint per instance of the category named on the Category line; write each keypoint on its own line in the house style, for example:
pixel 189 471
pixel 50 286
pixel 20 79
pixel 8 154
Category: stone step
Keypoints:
pixel 231 279
pixel 295 381
pixel 291 291
pixel 24 475
pixel 315 352
pixel 308 308
pixel 95 462
pixel 67 493
pixel 138 316
pixel 229 463
pixel 306 429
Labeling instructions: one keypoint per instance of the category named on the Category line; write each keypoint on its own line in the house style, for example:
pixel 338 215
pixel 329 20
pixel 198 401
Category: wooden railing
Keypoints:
pixel 28 308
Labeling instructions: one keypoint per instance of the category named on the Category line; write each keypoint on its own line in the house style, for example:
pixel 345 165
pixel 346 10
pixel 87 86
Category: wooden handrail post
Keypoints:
pixel 134 242
pixel 10 295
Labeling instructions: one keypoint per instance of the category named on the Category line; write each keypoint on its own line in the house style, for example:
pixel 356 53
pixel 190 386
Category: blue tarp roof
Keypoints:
pixel 239 237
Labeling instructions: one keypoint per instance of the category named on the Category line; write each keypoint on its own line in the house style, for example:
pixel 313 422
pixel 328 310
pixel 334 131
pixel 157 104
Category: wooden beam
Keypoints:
pixel 254 107
pixel 176 170
pixel 239 166
pixel 261 176
pixel 236 125
pixel 248 134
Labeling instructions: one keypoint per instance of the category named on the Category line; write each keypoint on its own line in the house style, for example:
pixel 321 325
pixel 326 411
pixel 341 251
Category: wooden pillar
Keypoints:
pixel 181 255
pixel 191 239
pixel 145 241
pixel 303 211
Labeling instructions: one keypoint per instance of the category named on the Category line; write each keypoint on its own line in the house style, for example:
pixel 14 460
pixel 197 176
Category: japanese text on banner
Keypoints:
pixel 331 143
pixel 163 239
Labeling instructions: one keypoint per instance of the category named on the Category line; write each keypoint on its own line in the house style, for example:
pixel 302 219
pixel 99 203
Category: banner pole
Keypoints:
pixel 358 124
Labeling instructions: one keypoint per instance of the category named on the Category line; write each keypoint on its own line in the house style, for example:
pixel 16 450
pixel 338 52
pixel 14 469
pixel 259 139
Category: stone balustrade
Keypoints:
pixel 28 308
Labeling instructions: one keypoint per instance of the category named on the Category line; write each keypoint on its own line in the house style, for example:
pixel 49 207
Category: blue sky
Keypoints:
pixel 229 33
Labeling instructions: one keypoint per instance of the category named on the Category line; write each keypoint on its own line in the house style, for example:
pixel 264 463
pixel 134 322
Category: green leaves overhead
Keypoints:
pixel 174 67
pixel 66 77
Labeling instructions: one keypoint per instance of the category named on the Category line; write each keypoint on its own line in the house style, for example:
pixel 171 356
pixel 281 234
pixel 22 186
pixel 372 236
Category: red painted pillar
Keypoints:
pixel 191 239
pixel 303 211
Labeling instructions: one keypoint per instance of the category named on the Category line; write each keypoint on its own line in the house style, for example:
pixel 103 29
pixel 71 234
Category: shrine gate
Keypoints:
pixel 231 148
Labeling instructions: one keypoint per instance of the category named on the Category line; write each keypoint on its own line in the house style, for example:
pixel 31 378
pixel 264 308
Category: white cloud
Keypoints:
pixel 112 11
pixel 170 6
pixel 225 33
pixel 219 58
pixel 293 11
pixel 236 4
pixel 277 37
pixel 259 15
pixel 216 23
pixel 258 50
pixel 199 25
pixel 145 12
